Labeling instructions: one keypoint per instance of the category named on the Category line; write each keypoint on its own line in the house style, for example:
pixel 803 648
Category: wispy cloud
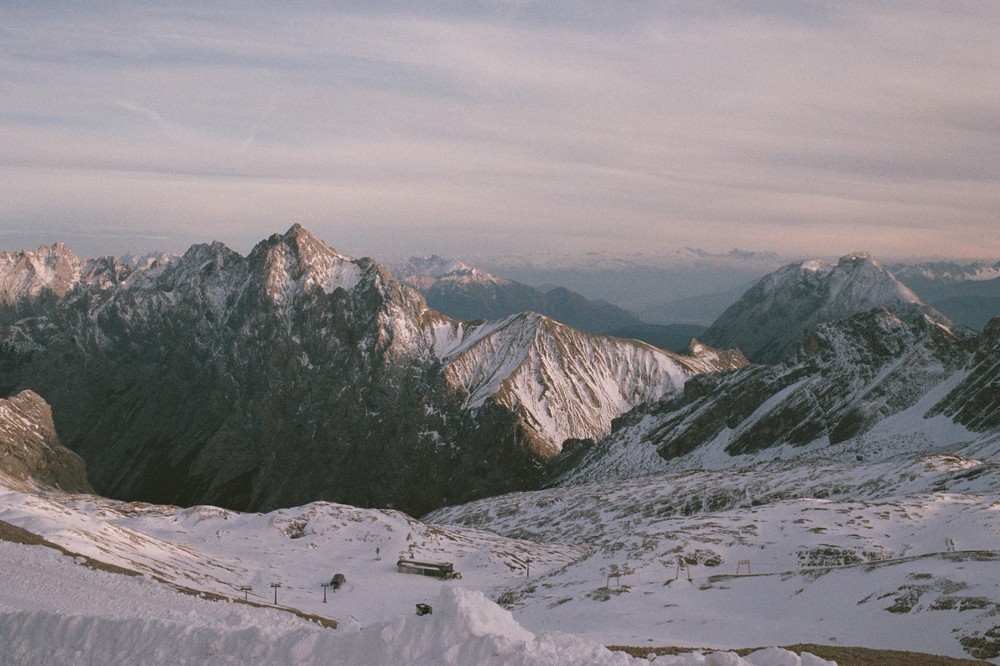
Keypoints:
pixel 780 125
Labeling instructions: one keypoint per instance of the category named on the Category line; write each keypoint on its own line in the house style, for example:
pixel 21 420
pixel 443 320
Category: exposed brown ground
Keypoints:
pixel 844 656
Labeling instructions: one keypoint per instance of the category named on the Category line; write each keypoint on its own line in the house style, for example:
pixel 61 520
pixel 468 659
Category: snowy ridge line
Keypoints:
pixel 563 382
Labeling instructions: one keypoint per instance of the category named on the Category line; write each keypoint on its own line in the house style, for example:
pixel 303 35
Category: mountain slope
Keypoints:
pixel 563 383
pixel 775 315
pixel 852 377
pixel 975 403
pixel 94 581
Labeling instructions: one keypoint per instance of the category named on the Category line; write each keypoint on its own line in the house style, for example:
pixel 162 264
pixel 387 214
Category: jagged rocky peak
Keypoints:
pixel 775 315
pixel 31 455
pixel 29 274
pixel 202 262
pixel 298 260
pixel 105 272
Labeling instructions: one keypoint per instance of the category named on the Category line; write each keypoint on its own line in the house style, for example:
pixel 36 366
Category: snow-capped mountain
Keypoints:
pixel 857 478
pixel 297 373
pixel 774 316
pixel 464 292
pixel 147 260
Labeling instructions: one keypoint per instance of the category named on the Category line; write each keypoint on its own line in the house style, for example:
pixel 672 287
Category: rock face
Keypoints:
pixel 975 403
pixel 463 292
pixel 848 376
pixel 30 452
pixel 563 383
pixel 772 319
pixel 297 374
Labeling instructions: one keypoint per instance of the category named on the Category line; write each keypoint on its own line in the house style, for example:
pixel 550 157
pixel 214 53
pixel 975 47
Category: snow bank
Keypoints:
pixel 468 628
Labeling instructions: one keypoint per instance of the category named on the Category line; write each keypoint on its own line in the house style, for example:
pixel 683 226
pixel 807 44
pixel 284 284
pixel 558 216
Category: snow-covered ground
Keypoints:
pixel 57 609
pixel 897 553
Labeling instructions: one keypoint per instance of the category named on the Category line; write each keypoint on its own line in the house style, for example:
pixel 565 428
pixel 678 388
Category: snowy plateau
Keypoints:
pixel 845 496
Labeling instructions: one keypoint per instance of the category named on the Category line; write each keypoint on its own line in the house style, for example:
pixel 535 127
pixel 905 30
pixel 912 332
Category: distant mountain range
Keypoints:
pixel 692 286
pixel 463 292
pixel 646 285
pixel 968 294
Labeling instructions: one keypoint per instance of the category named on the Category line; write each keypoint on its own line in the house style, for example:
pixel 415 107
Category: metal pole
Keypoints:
pixel 275 586
pixel 325 585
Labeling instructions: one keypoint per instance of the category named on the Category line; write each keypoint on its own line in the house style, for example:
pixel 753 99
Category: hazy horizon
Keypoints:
pixel 498 128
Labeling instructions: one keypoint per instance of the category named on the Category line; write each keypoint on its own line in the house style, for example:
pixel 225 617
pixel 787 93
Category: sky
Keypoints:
pixel 805 128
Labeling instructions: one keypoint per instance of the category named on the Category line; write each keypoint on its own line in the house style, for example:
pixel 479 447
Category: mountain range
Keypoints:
pixel 297 373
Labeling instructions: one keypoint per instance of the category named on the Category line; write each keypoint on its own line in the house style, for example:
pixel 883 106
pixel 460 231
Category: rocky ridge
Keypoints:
pixel 849 377
pixel 31 456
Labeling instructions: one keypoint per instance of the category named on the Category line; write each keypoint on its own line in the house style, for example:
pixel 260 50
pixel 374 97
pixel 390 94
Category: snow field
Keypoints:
pixel 54 611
